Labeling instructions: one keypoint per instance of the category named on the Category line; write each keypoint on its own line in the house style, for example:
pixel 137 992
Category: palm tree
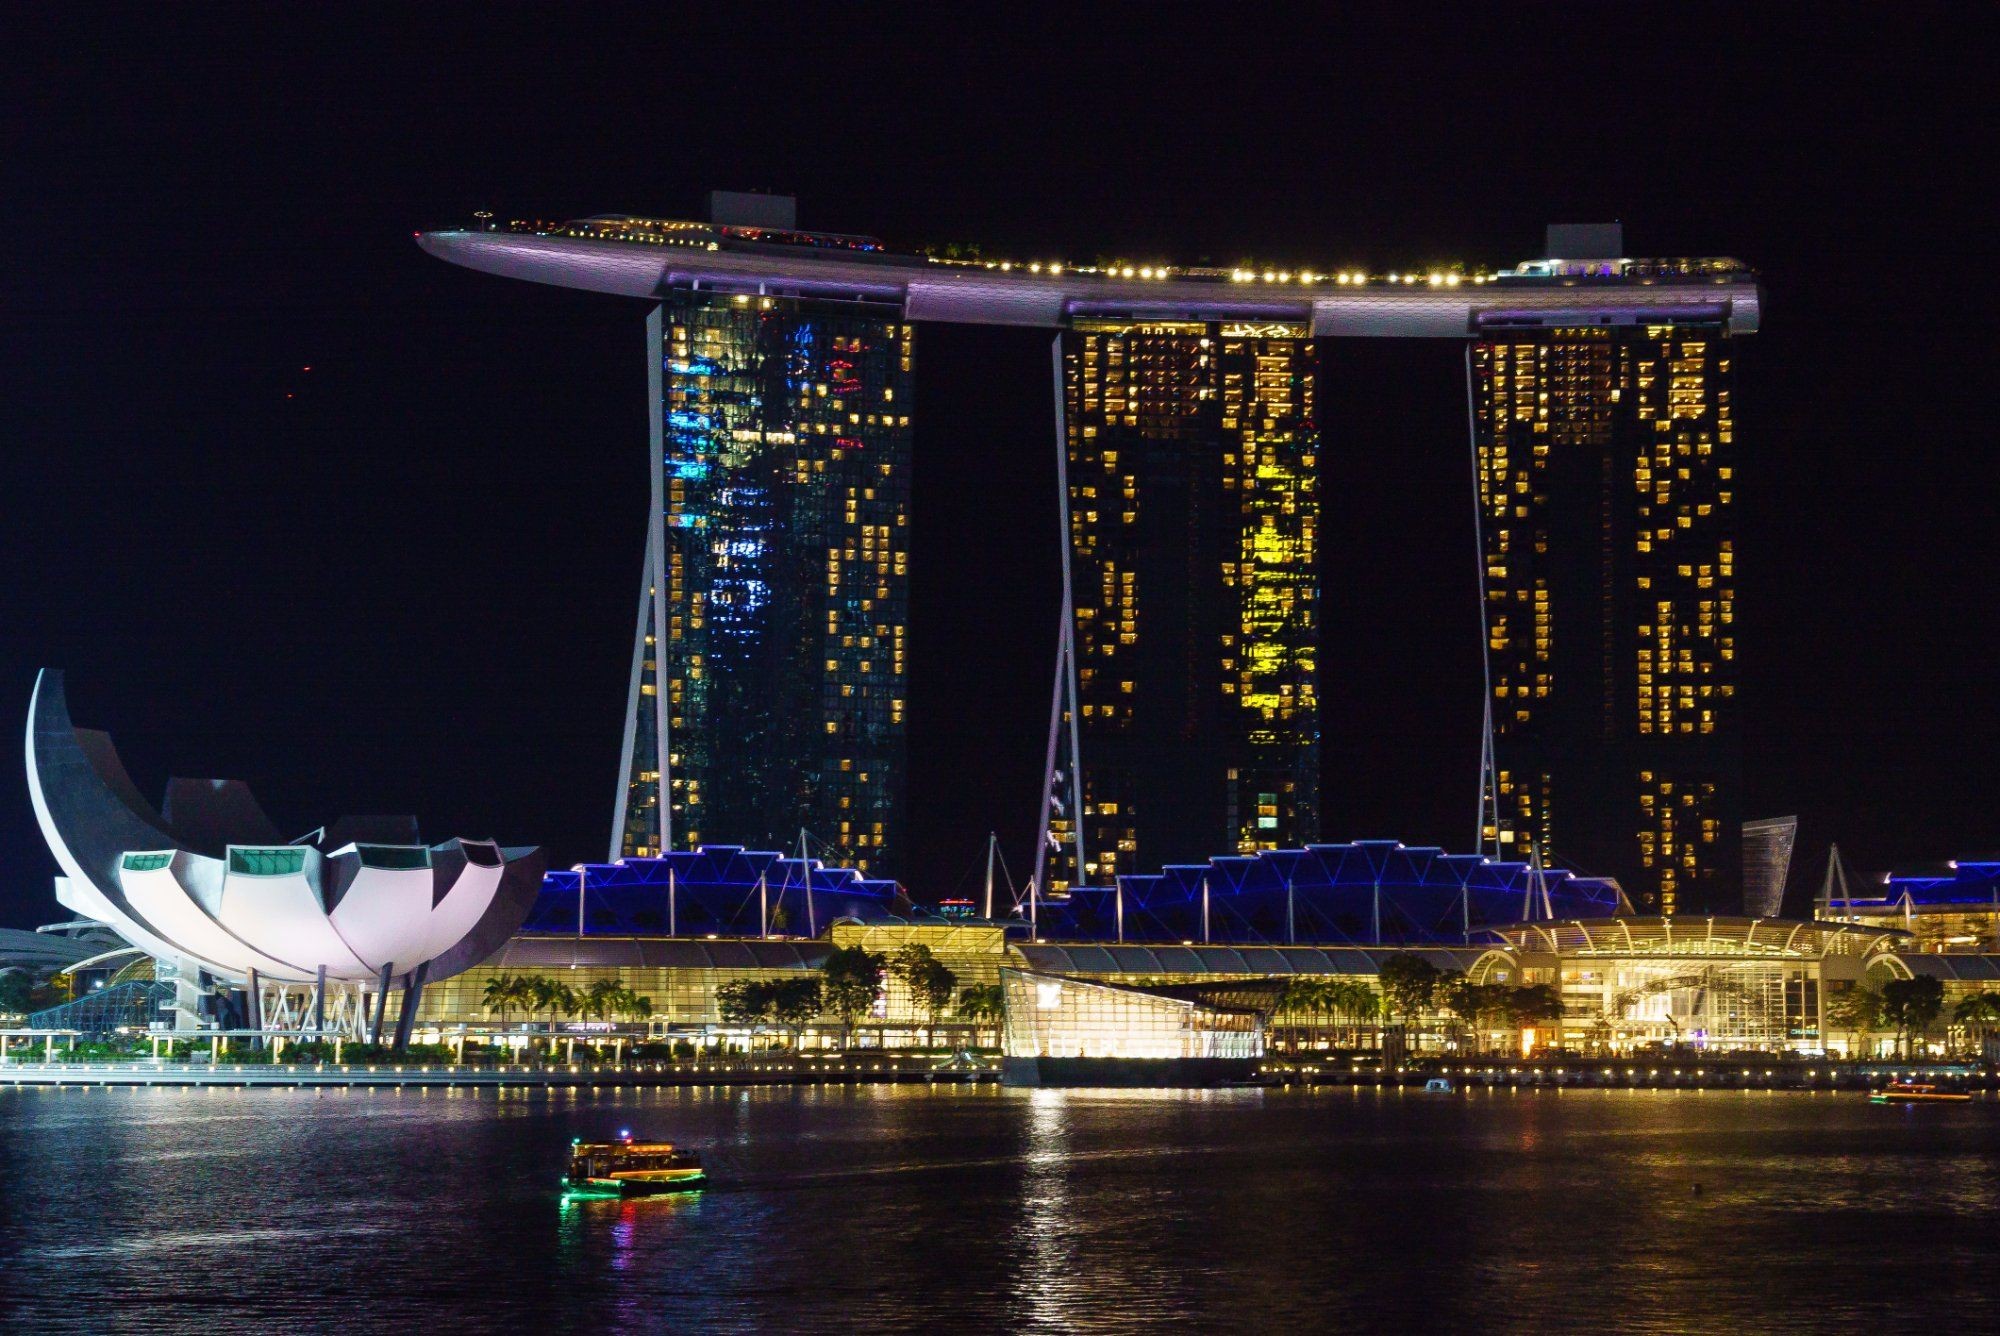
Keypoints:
pixel 1351 1000
pixel 601 999
pixel 1313 1000
pixel 553 997
pixel 1978 1013
pixel 982 1004
pixel 634 1005
pixel 501 993
pixel 1294 996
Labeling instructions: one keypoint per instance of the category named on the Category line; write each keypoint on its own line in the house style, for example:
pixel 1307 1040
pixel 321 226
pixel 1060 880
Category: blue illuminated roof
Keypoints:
pixel 1370 891
pixel 721 888
pixel 1965 881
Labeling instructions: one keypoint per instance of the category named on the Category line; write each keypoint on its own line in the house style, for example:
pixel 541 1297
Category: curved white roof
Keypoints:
pixel 963 293
pixel 285 911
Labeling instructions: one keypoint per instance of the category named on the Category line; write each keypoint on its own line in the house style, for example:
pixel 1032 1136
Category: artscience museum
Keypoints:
pixel 253 931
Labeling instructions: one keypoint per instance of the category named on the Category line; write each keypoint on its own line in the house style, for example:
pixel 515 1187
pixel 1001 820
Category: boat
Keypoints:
pixel 1439 1085
pixel 628 1168
pixel 1911 1092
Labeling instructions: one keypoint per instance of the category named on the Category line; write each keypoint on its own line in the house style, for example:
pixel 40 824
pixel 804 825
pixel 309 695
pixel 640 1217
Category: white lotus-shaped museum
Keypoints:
pixel 208 879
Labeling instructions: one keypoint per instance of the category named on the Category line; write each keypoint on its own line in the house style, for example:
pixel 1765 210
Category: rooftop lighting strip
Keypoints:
pixel 1645 271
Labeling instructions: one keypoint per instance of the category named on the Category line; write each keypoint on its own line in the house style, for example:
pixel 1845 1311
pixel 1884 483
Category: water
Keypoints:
pixel 897 1208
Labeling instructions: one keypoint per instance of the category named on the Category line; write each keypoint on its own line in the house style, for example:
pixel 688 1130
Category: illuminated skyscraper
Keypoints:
pixel 782 448
pixel 1187 672
pixel 1605 458
pixel 1191 456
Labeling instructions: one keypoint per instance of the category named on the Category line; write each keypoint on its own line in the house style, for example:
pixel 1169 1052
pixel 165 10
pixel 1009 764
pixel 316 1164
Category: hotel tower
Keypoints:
pixel 777 577
pixel 771 649
pixel 1192 451
pixel 1606 468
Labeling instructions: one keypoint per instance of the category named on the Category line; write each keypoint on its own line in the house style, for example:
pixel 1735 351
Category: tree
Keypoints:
pixel 1533 1005
pixel 16 991
pixel 1978 1013
pixel 744 1001
pixel 1315 999
pixel 794 1002
pixel 636 1005
pixel 500 995
pixel 1352 999
pixel 1299 996
pixel 1911 1005
pixel 601 999
pixel 554 997
pixel 852 980
pixel 929 980
pixel 1461 998
pixel 982 1004
pixel 1409 983
pixel 1855 1010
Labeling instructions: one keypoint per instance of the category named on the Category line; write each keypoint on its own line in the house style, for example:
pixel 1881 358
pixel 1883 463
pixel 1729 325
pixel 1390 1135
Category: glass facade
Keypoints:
pixel 1606 475
pixel 1053 1016
pixel 1767 864
pixel 1192 458
pixel 786 484
pixel 1766 1005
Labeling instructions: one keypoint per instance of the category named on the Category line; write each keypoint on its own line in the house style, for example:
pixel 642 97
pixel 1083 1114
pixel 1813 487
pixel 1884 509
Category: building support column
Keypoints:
pixel 381 1003
pixel 628 748
pixel 1066 671
pixel 1489 775
pixel 656 544
pixel 1069 606
pixel 413 993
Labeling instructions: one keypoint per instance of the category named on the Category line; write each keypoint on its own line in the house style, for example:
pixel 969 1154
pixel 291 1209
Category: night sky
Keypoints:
pixel 295 503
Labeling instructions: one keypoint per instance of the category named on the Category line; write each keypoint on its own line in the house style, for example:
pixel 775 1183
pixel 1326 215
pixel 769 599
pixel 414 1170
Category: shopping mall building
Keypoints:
pixel 352 931
pixel 1625 981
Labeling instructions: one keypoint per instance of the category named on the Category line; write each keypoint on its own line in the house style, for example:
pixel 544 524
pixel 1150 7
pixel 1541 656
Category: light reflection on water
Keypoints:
pixel 888 1208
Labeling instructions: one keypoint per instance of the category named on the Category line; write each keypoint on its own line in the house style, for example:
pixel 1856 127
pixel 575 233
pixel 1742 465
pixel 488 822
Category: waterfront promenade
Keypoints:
pixel 886 1069
pixel 894 1068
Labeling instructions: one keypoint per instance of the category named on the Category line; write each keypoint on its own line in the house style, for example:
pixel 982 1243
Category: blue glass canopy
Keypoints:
pixel 1370 891
pixel 721 888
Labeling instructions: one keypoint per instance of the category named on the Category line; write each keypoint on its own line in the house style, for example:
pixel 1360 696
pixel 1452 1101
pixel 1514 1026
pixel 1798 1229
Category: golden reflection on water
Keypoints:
pixel 895 1208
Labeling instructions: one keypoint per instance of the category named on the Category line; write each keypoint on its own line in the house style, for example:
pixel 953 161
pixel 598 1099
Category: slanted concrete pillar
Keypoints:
pixel 253 1007
pixel 413 993
pixel 381 1004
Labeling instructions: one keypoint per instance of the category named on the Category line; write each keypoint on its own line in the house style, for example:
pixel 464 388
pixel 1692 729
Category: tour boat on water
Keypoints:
pixel 1910 1092
pixel 628 1168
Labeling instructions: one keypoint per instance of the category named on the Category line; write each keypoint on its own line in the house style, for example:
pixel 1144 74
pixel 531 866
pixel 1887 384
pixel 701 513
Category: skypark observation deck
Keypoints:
pixel 650 258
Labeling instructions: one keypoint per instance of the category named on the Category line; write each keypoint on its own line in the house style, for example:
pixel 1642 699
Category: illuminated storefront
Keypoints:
pixel 1065 1030
pixel 1706 983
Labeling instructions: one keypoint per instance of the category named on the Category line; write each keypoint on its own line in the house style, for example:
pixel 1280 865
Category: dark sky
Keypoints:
pixel 403 579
